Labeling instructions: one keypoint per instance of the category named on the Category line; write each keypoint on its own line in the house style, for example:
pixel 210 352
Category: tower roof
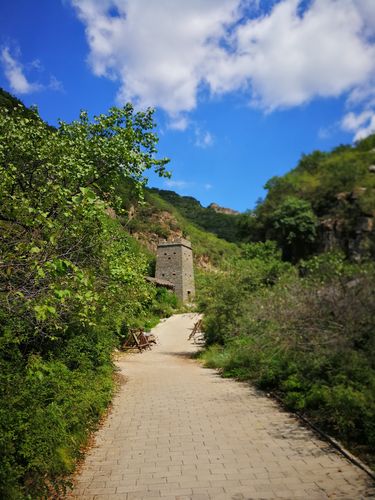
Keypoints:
pixel 177 242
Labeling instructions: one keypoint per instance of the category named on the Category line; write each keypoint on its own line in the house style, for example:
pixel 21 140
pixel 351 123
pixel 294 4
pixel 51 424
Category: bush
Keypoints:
pixel 310 339
pixel 222 295
pixel 47 411
pixel 70 279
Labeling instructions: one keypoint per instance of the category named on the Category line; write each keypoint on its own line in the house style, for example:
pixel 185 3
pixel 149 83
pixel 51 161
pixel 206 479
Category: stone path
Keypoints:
pixel 179 431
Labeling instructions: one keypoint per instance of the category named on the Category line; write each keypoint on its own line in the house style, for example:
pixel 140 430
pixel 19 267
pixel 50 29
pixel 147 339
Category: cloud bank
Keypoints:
pixel 169 53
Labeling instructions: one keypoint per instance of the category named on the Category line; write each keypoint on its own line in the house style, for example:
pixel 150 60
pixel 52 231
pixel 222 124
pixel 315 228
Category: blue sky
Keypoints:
pixel 241 87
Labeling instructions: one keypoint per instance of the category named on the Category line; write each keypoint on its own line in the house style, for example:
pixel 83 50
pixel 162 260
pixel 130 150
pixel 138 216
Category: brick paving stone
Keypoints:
pixel 178 431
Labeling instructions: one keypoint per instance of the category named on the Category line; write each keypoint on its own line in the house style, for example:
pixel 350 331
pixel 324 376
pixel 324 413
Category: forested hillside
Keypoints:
pixel 327 202
pixel 207 218
pixel 153 219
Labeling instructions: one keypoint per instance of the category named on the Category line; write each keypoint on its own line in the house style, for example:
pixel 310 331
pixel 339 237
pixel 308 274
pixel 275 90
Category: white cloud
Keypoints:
pixel 361 124
pixel 203 138
pixel 367 11
pixel 289 59
pixel 353 122
pixel 14 72
pixel 55 84
pixel 177 184
pixel 178 121
pixel 158 50
pixel 327 132
pixel 163 52
pixel 181 185
pixel 36 65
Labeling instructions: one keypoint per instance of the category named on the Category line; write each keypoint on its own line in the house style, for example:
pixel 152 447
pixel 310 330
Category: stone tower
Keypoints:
pixel 174 263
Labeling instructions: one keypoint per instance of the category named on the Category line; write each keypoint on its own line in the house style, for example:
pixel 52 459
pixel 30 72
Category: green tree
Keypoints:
pixel 70 279
pixel 55 189
pixel 293 225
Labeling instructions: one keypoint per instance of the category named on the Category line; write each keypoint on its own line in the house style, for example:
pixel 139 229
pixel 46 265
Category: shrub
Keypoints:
pixel 310 338
pixel 70 278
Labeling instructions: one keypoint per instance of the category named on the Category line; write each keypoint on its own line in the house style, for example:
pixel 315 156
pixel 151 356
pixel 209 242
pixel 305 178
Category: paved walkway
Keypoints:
pixel 179 431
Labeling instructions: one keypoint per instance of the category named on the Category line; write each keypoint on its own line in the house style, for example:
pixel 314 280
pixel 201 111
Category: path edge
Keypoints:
pixel 336 444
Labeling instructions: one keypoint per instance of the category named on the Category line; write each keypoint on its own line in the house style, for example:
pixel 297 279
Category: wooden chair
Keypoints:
pixel 197 328
pixel 143 342
pixel 136 340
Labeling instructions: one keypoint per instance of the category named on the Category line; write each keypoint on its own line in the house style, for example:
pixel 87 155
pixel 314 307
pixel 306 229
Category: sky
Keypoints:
pixel 241 88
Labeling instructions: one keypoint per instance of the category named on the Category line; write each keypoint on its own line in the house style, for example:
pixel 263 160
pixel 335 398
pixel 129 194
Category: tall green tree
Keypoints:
pixel 293 225
pixel 56 186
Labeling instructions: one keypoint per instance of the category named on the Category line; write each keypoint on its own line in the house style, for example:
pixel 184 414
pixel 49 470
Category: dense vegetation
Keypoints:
pixel 306 333
pixel 72 281
pixel 11 103
pixel 295 313
pixel 326 202
pixel 221 224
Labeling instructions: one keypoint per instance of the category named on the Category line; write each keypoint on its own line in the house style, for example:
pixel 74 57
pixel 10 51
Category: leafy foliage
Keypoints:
pixel 12 104
pixel 337 187
pixel 293 224
pixel 309 338
pixel 223 293
pixel 70 279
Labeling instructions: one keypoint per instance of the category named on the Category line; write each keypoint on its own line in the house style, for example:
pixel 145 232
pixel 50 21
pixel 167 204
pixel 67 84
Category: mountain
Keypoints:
pixel 73 284
pixel 12 104
pixel 8 101
pixel 338 187
pixel 217 220
pixel 166 215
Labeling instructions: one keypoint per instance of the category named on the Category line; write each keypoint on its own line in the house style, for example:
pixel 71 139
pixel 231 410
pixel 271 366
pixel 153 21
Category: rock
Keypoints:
pixel 358 192
pixel 372 169
pixel 342 196
pixel 365 225
pixel 222 210
pixel 131 212
pixel 353 283
pixel 328 224
pixel 111 213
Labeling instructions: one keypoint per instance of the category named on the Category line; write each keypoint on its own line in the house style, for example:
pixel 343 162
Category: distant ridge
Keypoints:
pixel 222 210
pixel 217 220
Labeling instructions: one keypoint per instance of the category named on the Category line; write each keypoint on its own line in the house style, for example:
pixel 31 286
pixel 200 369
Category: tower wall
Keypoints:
pixel 174 262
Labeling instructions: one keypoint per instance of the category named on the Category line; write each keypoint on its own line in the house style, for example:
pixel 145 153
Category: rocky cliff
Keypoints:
pixel 222 210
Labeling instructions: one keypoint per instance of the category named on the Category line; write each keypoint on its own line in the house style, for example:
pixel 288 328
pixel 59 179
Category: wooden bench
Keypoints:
pixel 138 339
